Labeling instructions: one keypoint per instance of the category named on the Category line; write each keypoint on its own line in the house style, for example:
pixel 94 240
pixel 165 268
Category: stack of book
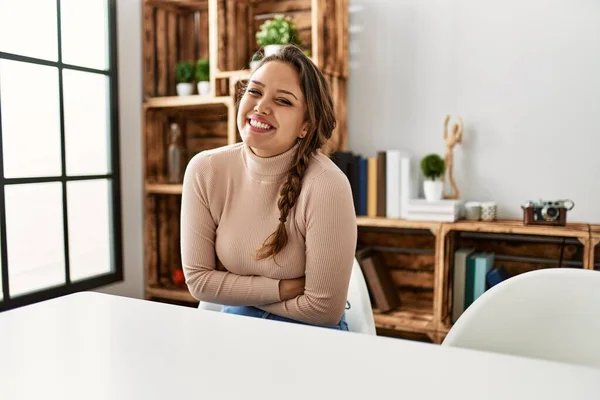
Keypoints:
pixel 474 273
pixel 442 210
pixel 382 184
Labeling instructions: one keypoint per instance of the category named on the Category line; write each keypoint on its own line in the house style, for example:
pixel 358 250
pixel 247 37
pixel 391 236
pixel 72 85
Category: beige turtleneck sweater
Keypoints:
pixel 229 208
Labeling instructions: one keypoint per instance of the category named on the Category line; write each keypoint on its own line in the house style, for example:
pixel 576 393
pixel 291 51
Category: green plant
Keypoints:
pixel 184 72
pixel 202 70
pixel 279 30
pixel 433 166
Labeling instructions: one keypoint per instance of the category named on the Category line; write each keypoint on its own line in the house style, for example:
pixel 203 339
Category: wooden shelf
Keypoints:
pixel 179 5
pixel 185 101
pixel 382 222
pixel 163 188
pixel 175 294
pixel 576 230
pixel 411 316
pixel 239 74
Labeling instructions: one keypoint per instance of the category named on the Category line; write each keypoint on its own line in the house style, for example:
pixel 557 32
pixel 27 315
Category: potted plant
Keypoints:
pixel 203 76
pixel 276 32
pixel 433 168
pixel 184 72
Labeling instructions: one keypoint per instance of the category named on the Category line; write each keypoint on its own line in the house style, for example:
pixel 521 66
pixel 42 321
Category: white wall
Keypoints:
pixel 523 74
pixel 129 44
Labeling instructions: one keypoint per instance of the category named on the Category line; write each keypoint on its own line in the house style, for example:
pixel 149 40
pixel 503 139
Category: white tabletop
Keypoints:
pixel 96 346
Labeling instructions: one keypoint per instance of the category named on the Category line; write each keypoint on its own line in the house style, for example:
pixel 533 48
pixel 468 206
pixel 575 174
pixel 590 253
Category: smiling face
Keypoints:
pixel 271 114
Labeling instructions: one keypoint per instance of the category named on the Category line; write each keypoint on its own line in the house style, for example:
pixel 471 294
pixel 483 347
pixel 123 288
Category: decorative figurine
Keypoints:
pixel 451 139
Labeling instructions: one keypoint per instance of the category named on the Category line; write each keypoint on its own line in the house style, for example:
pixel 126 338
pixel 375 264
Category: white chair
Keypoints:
pixel 360 315
pixel 551 314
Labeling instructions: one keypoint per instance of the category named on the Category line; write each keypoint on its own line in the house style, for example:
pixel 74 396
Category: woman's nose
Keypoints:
pixel 262 107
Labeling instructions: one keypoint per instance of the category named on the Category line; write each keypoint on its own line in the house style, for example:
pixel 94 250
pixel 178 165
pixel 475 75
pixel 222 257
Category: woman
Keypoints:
pixel 268 226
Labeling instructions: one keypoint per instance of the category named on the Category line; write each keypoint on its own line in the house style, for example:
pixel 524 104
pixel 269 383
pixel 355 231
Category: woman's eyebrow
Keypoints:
pixel 280 90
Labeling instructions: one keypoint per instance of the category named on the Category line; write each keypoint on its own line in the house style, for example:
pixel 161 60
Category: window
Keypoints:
pixel 60 213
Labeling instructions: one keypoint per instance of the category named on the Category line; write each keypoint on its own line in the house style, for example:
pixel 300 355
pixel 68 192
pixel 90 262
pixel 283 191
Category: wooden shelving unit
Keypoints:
pixel 419 256
pixel 223 31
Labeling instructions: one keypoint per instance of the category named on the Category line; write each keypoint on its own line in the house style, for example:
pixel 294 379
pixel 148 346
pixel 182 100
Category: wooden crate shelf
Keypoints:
pixel 173 31
pixel 163 188
pixel 185 101
pixel 170 293
pixel 517 247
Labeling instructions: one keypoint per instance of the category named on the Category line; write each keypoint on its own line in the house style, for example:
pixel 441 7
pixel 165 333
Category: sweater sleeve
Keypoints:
pixel 331 234
pixel 198 257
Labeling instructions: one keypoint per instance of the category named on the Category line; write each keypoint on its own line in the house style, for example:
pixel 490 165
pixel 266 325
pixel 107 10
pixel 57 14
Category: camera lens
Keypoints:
pixel 550 214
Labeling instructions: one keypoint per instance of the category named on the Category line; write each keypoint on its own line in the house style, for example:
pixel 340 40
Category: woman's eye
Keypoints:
pixel 254 92
pixel 284 101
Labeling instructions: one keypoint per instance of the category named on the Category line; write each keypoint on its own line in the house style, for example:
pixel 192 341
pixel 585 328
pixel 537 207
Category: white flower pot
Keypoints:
pixel 271 49
pixel 184 89
pixel 203 88
pixel 433 190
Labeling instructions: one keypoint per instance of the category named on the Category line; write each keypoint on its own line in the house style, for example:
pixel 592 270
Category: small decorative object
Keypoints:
pixel 452 139
pixel 203 76
pixel 175 155
pixel 488 211
pixel 184 72
pixel 544 212
pixel 178 277
pixel 256 57
pixel 472 211
pixel 276 32
pixel 433 167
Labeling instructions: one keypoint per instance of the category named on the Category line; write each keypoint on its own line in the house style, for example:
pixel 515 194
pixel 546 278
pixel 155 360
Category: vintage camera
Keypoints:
pixel 544 212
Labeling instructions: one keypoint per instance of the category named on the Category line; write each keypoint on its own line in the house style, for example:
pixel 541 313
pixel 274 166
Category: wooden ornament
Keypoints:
pixel 451 138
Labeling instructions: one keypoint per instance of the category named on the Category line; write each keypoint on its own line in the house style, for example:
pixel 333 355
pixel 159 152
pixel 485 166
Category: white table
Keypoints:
pixel 95 346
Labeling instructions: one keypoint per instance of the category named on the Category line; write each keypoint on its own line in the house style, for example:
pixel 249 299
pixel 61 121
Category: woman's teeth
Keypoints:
pixel 260 125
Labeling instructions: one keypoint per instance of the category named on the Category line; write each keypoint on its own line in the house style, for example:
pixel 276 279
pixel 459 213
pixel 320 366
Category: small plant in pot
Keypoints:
pixel 184 73
pixel 203 76
pixel 433 168
pixel 276 32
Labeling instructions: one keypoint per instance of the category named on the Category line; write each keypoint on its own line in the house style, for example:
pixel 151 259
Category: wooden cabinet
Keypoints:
pixel 420 258
pixel 223 31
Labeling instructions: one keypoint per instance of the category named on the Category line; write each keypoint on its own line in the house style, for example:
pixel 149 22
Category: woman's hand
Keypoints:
pixel 291 288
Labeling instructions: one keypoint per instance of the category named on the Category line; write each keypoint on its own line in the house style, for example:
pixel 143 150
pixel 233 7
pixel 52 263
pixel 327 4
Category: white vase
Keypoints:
pixel 433 190
pixel 184 89
pixel 203 88
pixel 271 49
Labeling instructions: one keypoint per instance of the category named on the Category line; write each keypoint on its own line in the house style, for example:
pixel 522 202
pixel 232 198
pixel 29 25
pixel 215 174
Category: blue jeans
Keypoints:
pixel 258 313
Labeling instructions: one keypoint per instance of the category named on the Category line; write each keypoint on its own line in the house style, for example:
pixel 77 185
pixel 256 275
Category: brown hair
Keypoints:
pixel 320 116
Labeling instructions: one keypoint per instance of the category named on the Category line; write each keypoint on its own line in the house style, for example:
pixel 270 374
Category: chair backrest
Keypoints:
pixel 360 315
pixel 551 314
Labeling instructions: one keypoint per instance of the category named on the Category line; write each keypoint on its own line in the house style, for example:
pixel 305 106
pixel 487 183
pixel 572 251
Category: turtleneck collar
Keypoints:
pixel 269 169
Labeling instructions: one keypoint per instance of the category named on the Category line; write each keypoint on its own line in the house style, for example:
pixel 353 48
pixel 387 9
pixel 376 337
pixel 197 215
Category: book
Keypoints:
pixel 496 275
pixel 458 282
pixel 381 183
pixel 379 280
pixel 478 266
